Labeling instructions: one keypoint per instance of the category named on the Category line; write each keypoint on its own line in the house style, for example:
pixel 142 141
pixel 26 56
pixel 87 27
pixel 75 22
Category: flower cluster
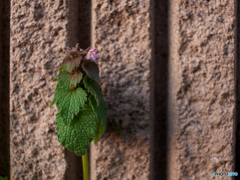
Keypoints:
pixel 76 56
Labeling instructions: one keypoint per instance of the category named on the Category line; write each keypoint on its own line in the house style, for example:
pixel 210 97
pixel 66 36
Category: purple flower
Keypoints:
pixel 92 56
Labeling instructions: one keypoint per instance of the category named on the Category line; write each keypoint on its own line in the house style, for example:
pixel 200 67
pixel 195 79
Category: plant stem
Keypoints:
pixel 85 166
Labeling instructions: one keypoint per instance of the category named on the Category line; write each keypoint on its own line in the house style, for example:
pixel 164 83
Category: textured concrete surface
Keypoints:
pixel 120 31
pixel 38 38
pixel 4 90
pixel 205 99
pixel 193 61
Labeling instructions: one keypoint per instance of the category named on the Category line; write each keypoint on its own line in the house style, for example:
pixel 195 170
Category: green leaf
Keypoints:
pixel 77 135
pixel 55 79
pixel 86 50
pixel 98 133
pixel 68 103
pixel 72 61
pixel 62 69
pixel 92 70
pixel 52 103
pixel 66 79
pixel 101 110
pixel 57 86
pixel 93 87
pixel 4 178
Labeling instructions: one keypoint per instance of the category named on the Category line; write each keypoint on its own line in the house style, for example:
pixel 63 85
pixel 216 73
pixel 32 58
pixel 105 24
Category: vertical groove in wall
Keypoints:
pixel 92 161
pixel 159 90
pixel 236 126
pixel 4 88
pixel 79 31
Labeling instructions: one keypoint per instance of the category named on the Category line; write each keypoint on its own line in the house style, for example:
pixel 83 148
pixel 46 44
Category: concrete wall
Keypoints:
pixel 205 97
pixel 121 32
pixel 38 38
pixel 167 70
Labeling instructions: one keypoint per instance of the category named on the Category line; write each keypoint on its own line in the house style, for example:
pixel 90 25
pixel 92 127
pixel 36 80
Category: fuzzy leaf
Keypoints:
pixel 101 110
pixel 62 69
pixel 93 87
pixel 4 178
pixel 98 133
pixel 92 70
pixel 72 61
pixel 52 103
pixel 77 135
pixel 68 103
pixel 67 79
pixel 86 50
pixel 55 79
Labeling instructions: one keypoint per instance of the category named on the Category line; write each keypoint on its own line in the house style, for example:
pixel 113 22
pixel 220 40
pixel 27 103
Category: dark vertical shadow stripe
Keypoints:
pixel 79 31
pixel 4 88
pixel 237 93
pixel 159 91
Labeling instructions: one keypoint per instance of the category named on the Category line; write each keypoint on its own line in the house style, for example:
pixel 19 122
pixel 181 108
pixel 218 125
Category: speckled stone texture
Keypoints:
pixel 205 99
pixel 38 39
pixel 199 55
pixel 121 32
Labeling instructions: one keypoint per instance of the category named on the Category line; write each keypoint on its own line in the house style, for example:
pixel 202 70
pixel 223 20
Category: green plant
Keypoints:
pixel 3 178
pixel 82 109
